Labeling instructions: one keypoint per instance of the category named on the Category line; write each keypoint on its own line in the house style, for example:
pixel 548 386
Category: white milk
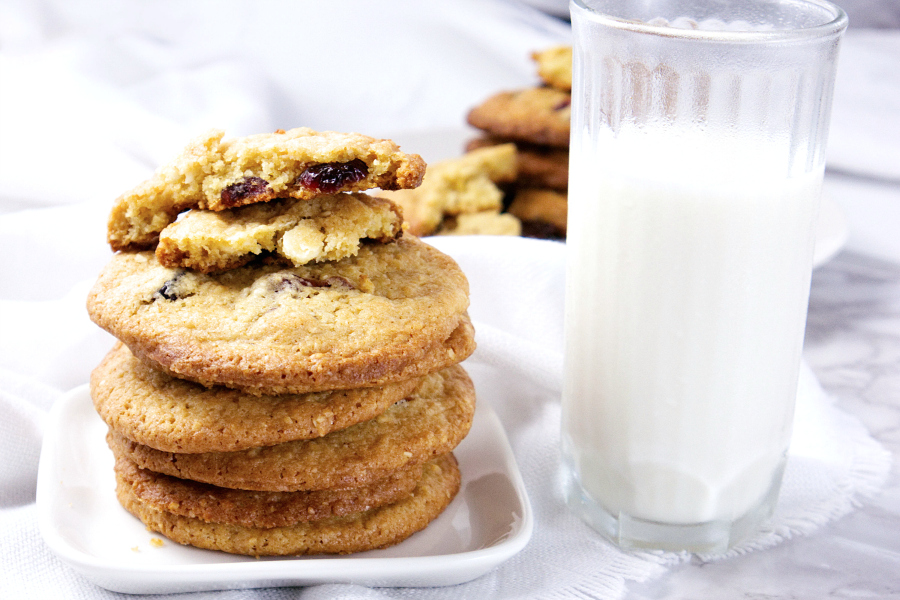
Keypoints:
pixel 686 301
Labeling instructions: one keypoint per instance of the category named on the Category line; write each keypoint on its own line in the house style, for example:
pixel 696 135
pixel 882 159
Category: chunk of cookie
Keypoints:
pixel 376 528
pixel 431 422
pixel 554 66
pixel 323 228
pixel 539 166
pixel 392 312
pixel 175 415
pixel 482 223
pixel 456 186
pixel 535 115
pixel 217 173
pixel 213 504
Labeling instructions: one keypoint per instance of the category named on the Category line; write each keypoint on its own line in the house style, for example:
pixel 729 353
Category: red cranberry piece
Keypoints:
pixel 564 104
pixel 313 283
pixel 169 290
pixel 329 178
pixel 288 282
pixel 338 281
pixel 236 193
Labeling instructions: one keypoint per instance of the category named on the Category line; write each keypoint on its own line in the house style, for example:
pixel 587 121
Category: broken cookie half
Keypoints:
pixel 302 231
pixel 215 173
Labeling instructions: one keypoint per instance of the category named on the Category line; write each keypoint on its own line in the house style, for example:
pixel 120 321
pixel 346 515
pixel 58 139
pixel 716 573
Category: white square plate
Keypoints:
pixel 79 517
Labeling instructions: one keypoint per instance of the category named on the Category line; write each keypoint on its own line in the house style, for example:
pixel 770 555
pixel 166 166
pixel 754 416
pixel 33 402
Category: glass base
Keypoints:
pixel 713 537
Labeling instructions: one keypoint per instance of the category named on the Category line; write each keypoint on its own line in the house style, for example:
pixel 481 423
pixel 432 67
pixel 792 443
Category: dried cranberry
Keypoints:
pixel 564 104
pixel 288 282
pixel 234 194
pixel 338 281
pixel 329 178
pixel 315 283
pixel 169 290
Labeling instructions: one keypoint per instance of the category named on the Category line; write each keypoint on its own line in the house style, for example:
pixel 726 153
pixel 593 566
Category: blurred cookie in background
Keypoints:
pixel 542 212
pixel 554 66
pixel 538 166
pixel 453 190
pixel 539 115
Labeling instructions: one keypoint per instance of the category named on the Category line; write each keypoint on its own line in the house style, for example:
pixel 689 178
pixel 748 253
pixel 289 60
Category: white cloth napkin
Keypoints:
pixel 94 96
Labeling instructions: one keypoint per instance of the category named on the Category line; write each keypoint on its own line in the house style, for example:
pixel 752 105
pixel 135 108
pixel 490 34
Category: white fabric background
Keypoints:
pixel 94 95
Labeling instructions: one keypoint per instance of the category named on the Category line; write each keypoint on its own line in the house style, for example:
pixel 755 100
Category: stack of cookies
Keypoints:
pixel 286 379
pixel 536 120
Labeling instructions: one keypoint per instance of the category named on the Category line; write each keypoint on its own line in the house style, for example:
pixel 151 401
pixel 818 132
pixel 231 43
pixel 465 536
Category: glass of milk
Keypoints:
pixel 696 159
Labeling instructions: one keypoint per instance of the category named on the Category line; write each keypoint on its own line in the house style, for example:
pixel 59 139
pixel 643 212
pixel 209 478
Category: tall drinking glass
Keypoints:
pixel 696 159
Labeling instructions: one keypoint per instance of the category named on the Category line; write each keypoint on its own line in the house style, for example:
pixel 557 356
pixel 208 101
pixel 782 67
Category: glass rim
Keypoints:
pixel 835 26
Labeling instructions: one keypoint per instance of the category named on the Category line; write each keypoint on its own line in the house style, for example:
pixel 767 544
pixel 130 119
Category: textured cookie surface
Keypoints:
pixel 392 312
pixel 175 415
pixel 376 528
pixel 323 228
pixel 457 186
pixel 432 421
pixel 554 65
pixel 536 115
pixel 213 504
pixel 217 173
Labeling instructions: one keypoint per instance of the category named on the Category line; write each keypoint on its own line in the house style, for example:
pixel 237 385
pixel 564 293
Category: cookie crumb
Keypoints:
pixel 156 542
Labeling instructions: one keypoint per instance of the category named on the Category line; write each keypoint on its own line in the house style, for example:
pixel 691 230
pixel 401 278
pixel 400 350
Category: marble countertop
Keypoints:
pixel 853 346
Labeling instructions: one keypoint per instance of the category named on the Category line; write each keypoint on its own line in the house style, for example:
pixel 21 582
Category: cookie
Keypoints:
pixel 323 228
pixel 482 223
pixel 375 528
pixel 213 504
pixel 217 173
pixel 539 166
pixel 175 415
pixel 535 115
pixel 392 312
pixel 457 186
pixel 432 421
pixel 543 212
pixel 554 66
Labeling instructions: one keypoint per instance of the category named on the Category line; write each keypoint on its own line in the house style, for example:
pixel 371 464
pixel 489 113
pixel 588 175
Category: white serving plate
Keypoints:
pixel 81 521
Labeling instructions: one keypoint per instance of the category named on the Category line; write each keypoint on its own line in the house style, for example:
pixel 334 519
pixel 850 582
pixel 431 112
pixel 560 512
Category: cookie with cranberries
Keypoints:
pixel 389 313
pixel 219 173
